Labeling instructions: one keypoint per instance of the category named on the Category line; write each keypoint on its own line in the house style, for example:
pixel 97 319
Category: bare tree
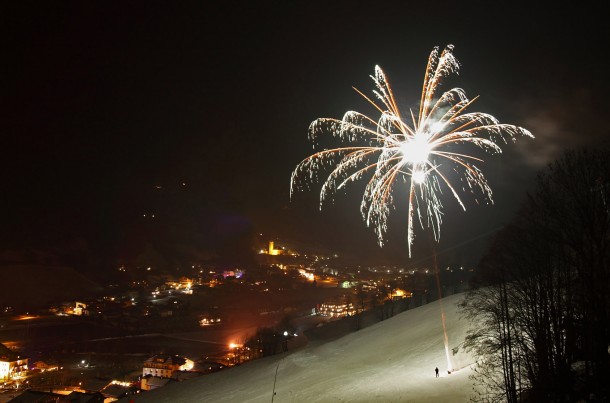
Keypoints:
pixel 542 289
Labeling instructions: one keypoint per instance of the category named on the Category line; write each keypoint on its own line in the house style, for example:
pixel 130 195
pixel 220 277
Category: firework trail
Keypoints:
pixel 424 151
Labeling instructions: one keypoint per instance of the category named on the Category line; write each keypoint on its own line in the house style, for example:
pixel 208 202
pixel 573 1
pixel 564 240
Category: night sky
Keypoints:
pixel 197 114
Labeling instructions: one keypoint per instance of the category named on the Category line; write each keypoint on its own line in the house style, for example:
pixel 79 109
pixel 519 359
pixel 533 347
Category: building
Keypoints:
pixel 116 391
pixel 272 251
pixel 12 364
pixel 94 385
pixel 45 366
pixel 110 390
pixel 79 309
pixel 150 382
pixel 336 309
pixel 163 366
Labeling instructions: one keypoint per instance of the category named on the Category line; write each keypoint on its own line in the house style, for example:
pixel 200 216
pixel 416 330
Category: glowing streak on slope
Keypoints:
pixel 443 320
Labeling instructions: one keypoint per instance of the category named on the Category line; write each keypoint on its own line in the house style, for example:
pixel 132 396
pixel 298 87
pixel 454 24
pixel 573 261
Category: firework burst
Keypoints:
pixel 423 152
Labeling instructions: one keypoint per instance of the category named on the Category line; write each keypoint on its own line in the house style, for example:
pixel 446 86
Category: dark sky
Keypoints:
pixel 198 113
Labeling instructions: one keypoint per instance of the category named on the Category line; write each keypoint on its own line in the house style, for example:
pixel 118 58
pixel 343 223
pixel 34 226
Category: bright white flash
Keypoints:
pixel 419 176
pixel 416 150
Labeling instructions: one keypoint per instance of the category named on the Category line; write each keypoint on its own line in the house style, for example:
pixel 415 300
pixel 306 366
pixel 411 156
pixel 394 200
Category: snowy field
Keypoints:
pixel 391 361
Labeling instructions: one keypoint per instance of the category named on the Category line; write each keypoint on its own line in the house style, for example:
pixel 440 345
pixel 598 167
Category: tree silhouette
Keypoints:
pixel 541 292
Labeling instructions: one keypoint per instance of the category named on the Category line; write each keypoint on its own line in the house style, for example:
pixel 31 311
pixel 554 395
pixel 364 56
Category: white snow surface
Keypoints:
pixel 390 361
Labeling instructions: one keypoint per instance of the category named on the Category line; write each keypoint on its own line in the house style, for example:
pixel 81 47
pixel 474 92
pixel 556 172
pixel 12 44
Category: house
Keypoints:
pixel 150 382
pixel 45 366
pixel 336 309
pixel 164 365
pixel 115 391
pixel 80 308
pixel 95 385
pixel 12 364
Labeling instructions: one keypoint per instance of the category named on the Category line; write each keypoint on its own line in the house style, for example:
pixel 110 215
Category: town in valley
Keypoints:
pixel 150 327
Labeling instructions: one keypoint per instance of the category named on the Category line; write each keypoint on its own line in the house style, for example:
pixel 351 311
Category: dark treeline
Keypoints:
pixel 541 295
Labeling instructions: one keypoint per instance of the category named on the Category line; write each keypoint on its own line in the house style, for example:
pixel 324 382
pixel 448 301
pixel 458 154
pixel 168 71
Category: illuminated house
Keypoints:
pixel 12 364
pixel 348 284
pixel 184 284
pixel 150 382
pixel 163 366
pixel 79 309
pixel 232 273
pixel 208 319
pixel 400 294
pixel 336 310
pixel 44 366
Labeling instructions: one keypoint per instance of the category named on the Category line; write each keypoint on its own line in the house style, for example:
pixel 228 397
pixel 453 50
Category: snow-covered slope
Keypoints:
pixel 391 361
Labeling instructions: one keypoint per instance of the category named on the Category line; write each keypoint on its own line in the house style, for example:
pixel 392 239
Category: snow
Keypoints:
pixel 390 361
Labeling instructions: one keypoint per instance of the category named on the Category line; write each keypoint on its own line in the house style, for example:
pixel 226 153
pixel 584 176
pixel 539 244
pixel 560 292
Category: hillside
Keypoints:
pixel 36 286
pixel 390 361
